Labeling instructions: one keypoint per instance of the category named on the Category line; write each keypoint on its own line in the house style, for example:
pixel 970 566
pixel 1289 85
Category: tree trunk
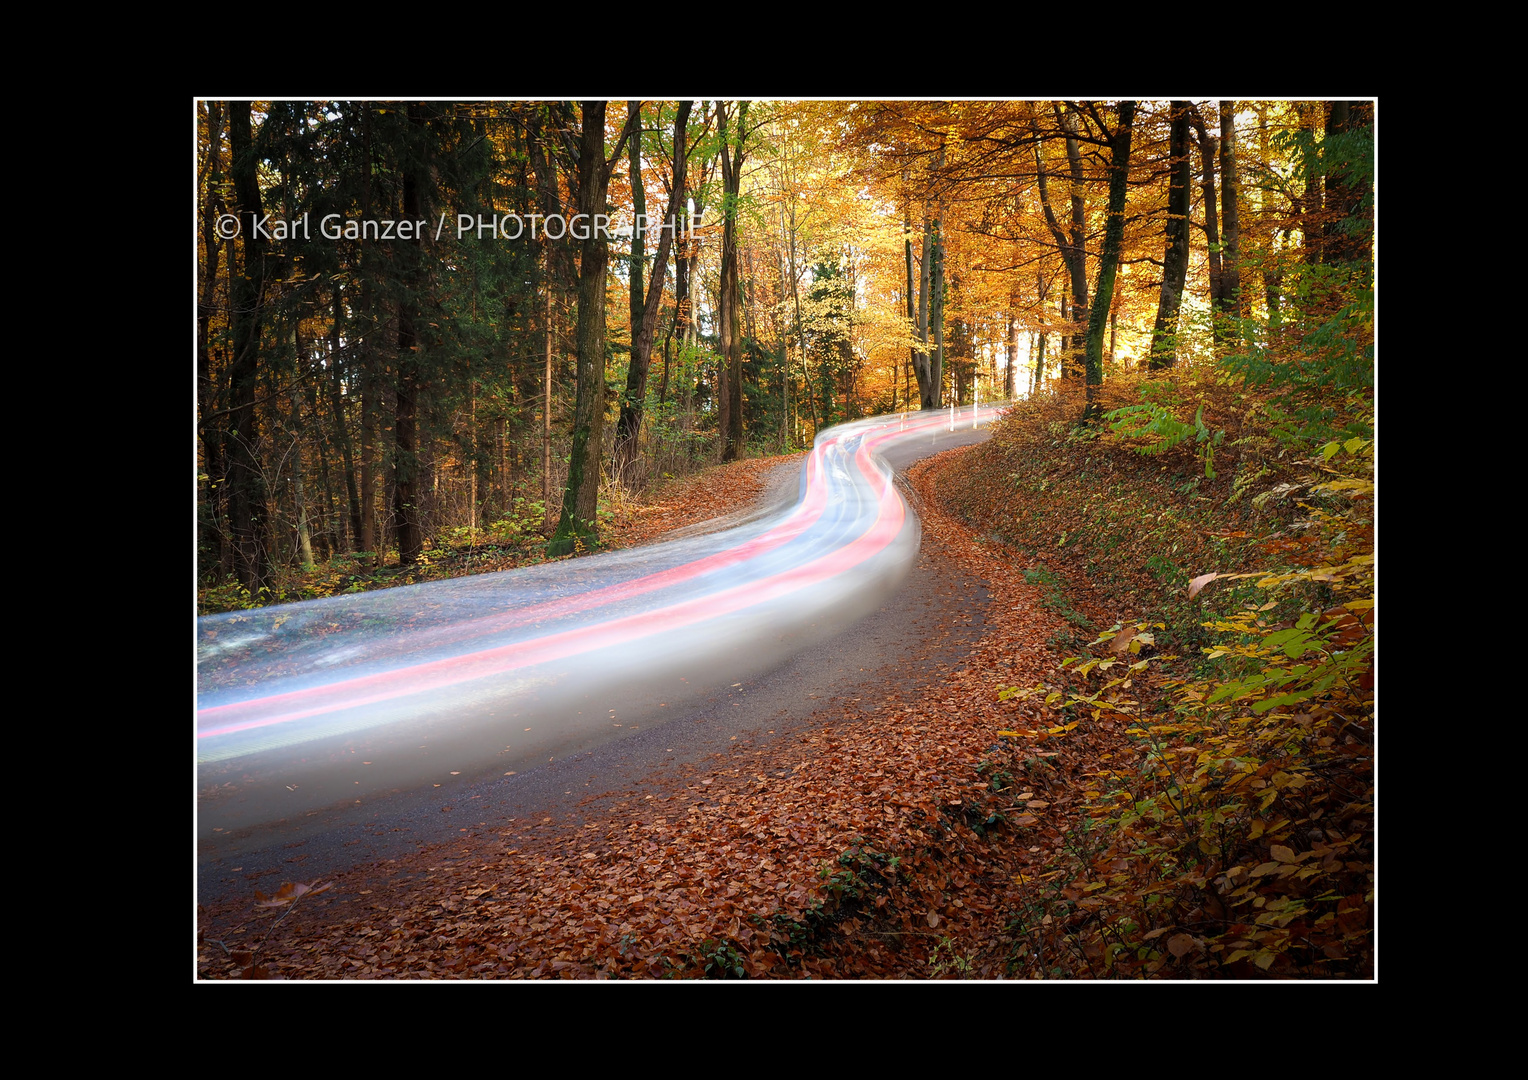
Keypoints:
pixel 1209 147
pixel 546 412
pixel 928 388
pixel 541 132
pixel 681 306
pixel 731 336
pixel 554 263
pixel 629 423
pixel 1271 262
pixel 1164 334
pixel 580 498
pixel 1230 313
pixel 406 389
pixel 1347 232
pixel 1072 248
pixel 1311 205
pixel 337 407
pixel 912 310
pixel 936 312
pixel 781 330
pixel 1113 328
pixel 1010 383
pixel 1077 263
pixel 247 495
pixel 1042 288
pixel 1114 235
pixel 645 306
pixel 213 466
pixel 299 489
pixel 370 541
pixel 806 370
pixel 332 528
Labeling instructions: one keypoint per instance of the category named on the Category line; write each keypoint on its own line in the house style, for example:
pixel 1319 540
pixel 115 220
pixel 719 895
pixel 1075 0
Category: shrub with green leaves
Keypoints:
pixel 1154 427
pixel 1236 838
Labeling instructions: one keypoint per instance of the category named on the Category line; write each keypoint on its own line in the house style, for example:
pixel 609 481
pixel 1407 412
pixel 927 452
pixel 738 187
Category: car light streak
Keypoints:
pixel 329 702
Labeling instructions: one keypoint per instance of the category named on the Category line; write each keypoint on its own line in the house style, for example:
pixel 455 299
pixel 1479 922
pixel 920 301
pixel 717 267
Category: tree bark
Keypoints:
pixel 541 131
pixel 299 488
pixel 1114 234
pixel 554 263
pixel 806 370
pixel 731 336
pixel 247 495
pixel 1042 289
pixel 636 369
pixel 644 312
pixel 1347 231
pixel 1078 263
pixel 406 389
pixel 1164 334
pixel 936 313
pixel 1209 147
pixel 1073 248
pixel 928 387
pixel 213 466
pixel 912 311
pixel 370 541
pixel 337 407
pixel 1010 384
pixel 1037 343
pixel 1228 324
pixel 331 518
pixel 1311 204
pixel 686 256
pixel 1270 264
pixel 580 499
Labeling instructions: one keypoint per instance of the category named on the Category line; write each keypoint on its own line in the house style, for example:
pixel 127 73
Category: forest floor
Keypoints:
pixel 904 838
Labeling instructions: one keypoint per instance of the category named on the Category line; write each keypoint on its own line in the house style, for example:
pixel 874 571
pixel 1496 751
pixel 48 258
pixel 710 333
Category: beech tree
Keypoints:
pixel 1175 260
pixel 1073 243
pixel 728 328
pixel 645 304
pixel 1229 306
pixel 1114 231
pixel 580 499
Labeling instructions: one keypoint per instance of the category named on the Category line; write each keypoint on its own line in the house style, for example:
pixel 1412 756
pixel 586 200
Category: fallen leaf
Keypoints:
pixel 1200 582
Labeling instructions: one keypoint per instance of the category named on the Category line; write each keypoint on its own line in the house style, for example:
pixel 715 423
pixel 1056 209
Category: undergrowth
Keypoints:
pixel 1228 829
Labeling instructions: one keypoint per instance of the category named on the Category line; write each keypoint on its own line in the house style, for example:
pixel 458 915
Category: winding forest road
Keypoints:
pixel 641 710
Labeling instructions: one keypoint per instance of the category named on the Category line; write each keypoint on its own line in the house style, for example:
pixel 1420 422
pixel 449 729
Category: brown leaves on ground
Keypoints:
pixel 690 500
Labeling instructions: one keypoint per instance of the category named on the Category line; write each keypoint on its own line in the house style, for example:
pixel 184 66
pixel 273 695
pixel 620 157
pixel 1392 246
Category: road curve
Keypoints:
pixel 325 705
